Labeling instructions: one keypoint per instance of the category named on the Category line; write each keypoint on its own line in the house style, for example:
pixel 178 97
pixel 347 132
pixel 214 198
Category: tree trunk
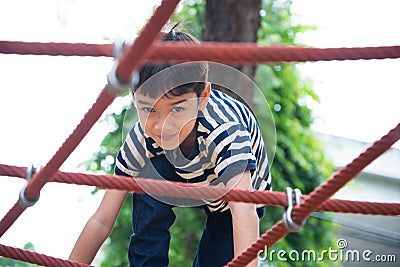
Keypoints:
pixel 234 21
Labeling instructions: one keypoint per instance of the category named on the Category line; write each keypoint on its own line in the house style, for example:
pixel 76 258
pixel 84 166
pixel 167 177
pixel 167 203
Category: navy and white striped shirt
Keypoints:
pixel 229 142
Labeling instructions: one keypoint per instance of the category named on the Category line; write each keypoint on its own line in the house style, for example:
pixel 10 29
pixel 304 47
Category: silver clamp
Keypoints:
pixel 23 201
pixel 287 215
pixel 114 85
pixel 119 46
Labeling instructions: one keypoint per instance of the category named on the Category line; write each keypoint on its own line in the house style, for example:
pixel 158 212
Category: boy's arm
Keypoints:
pixel 245 220
pixel 98 227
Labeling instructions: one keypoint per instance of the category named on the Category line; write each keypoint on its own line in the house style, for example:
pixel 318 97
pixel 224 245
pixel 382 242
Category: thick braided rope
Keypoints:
pixel 345 174
pixel 240 53
pixel 37 182
pixel 130 56
pixel 174 189
pixel 56 49
pixel 36 258
pixel 318 197
pixel 247 53
pixel 130 61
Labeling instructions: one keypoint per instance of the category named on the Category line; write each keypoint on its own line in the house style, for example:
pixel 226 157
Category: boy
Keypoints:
pixel 187 132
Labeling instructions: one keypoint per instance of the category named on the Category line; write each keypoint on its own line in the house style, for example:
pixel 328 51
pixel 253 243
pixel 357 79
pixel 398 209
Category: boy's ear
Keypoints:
pixel 205 96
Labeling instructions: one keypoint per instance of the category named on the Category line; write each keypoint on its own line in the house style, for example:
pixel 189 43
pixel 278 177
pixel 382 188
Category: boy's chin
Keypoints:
pixel 167 146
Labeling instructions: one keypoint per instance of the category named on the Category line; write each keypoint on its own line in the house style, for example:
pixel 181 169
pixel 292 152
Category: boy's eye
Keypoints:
pixel 177 109
pixel 148 110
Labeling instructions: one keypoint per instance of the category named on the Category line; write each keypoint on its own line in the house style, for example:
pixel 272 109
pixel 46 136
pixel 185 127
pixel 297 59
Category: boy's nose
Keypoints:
pixel 162 122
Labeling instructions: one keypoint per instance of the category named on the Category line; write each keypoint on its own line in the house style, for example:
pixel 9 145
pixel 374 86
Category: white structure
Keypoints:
pixel 379 182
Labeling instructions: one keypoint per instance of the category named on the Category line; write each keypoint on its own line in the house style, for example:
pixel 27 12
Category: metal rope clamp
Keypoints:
pixel 113 84
pixel 23 201
pixel 292 196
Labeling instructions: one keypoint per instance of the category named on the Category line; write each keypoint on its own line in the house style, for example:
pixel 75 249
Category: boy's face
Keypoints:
pixel 169 120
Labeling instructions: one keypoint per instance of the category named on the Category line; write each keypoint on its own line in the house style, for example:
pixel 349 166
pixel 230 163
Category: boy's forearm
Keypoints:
pixel 89 242
pixel 244 217
pixel 99 227
pixel 245 228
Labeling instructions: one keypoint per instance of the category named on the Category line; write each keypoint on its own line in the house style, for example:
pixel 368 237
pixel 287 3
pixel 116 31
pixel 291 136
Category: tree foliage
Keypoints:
pixel 299 159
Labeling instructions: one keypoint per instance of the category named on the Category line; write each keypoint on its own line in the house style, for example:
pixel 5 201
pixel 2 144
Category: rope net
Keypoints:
pixel 147 48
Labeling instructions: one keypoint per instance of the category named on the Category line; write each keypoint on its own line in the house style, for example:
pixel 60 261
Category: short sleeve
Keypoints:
pixel 232 151
pixel 131 156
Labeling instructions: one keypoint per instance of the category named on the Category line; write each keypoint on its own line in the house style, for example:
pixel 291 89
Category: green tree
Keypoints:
pixel 299 160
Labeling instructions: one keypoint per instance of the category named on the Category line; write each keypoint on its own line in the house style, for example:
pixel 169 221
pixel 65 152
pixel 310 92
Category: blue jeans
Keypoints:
pixel 152 219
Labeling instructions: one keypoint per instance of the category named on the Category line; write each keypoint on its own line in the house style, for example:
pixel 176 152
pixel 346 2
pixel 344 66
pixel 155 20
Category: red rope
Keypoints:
pixel 247 53
pixel 239 53
pixel 132 57
pixel 319 196
pixel 56 49
pixel 173 189
pixel 36 258
pixel 38 181
pixel 345 174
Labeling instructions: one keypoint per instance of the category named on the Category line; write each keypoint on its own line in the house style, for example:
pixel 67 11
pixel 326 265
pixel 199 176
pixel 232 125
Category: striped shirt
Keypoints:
pixel 228 142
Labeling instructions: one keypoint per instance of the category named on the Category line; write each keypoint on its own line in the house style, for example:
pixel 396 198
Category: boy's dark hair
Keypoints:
pixel 169 78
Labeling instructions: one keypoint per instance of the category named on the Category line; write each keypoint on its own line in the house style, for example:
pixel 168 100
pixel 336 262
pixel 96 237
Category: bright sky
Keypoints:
pixel 359 99
pixel 43 98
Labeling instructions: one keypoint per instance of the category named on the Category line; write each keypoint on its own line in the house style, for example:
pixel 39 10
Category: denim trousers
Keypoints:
pixel 152 219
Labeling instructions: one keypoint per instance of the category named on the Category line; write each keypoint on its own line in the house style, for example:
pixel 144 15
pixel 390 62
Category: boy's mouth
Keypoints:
pixel 167 138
